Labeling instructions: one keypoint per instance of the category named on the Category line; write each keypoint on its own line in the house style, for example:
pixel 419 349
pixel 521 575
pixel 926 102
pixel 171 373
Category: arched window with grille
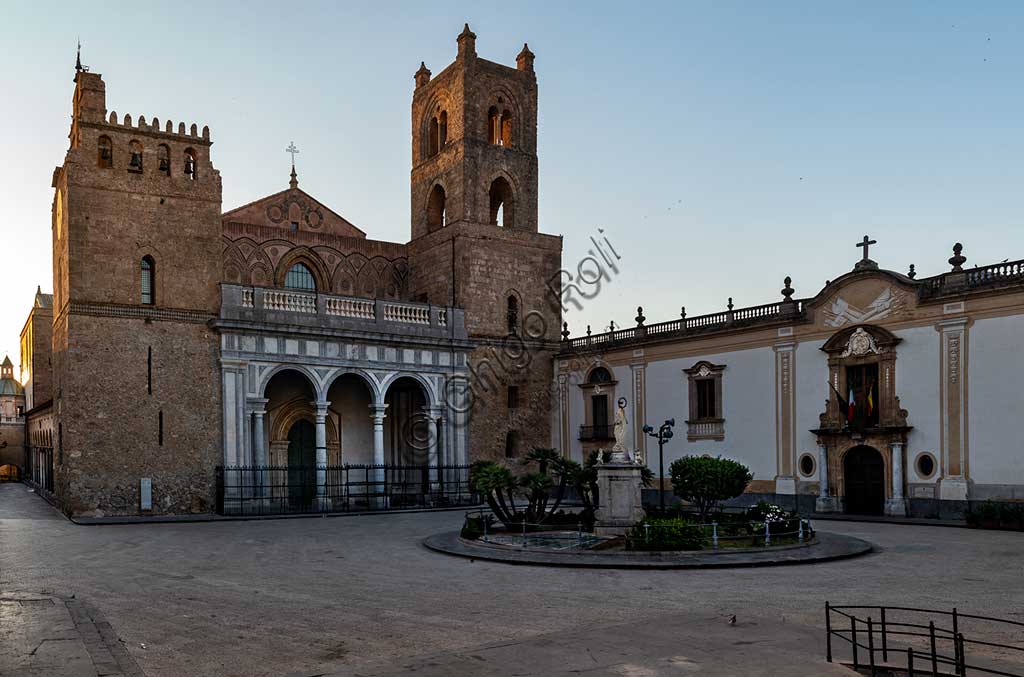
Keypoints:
pixel 148 280
pixel 299 276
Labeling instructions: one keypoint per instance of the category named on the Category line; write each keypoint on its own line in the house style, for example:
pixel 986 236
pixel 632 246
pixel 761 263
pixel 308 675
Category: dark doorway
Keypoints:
pixel 301 465
pixel 864 473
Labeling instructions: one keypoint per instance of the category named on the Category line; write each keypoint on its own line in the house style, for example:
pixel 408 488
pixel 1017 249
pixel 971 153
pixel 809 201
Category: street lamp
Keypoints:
pixel 663 435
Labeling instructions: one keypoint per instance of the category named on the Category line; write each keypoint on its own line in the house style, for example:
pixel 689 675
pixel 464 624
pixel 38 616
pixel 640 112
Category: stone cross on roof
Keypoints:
pixel 294 183
pixel 865 262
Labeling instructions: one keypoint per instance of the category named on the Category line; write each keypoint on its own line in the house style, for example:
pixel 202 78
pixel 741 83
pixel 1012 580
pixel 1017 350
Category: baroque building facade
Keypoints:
pixel 884 393
pixel 182 340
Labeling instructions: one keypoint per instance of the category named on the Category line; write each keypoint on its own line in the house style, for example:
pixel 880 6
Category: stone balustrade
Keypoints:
pixel 295 307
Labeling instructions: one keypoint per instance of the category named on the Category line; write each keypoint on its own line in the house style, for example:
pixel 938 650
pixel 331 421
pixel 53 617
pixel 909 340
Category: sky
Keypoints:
pixel 719 145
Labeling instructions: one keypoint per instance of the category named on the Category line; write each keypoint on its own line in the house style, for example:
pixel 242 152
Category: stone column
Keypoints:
pixel 259 444
pixel 824 502
pixel 430 414
pixel 897 505
pixel 320 419
pixel 377 413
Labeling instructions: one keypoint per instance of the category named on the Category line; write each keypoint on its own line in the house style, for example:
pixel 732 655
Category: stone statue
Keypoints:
pixel 619 452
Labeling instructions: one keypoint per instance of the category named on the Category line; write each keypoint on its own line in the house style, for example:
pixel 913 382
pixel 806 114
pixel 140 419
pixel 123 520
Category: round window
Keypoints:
pixel 925 465
pixel 807 465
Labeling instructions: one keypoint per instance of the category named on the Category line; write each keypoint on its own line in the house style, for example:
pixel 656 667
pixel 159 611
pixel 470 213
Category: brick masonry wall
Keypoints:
pixel 490 264
pixel 110 420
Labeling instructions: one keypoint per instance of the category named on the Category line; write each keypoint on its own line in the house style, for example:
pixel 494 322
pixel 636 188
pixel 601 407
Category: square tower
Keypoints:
pixel 137 269
pixel 475 240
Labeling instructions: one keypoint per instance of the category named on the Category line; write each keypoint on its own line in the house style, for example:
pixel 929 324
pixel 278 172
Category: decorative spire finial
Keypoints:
pixel 294 183
pixel 565 331
pixel 640 316
pixel 682 313
pixel 957 260
pixel 911 273
pixel 422 76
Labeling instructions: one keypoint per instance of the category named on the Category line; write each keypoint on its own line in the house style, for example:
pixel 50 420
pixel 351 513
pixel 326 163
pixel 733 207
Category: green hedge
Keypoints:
pixel 665 534
pixel 994 515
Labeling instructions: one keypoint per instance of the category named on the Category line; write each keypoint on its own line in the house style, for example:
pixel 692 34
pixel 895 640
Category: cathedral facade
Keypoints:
pixel 188 341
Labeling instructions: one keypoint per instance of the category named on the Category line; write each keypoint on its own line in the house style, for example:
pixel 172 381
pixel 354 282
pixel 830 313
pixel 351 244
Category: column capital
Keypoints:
pixel 258 405
pixel 321 407
pixel 377 411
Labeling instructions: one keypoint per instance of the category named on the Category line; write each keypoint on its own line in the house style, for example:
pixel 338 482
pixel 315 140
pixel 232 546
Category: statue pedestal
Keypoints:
pixel 619 495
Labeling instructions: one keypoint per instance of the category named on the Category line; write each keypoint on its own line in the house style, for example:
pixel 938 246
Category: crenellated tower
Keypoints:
pixel 137 267
pixel 475 241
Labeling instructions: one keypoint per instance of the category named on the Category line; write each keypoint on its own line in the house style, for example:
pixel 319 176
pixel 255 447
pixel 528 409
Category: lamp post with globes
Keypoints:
pixel 663 434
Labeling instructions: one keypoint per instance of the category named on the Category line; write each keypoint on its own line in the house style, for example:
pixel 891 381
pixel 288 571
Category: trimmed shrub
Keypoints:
pixel 705 481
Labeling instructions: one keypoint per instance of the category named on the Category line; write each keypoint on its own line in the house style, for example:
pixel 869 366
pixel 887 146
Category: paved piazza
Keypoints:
pixel 360 595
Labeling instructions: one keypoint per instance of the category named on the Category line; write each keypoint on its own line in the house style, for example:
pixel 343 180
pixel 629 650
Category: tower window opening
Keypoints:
pixel 300 276
pixel 190 164
pixel 493 126
pixel 148 286
pixel 512 315
pixel 164 159
pixel 434 137
pixel 442 129
pixel 506 129
pixel 502 203
pixel 135 159
pixel 436 216
pixel 105 153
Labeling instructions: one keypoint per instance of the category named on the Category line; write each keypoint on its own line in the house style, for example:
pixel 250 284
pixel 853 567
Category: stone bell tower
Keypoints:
pixel 475 241
pixel 137 267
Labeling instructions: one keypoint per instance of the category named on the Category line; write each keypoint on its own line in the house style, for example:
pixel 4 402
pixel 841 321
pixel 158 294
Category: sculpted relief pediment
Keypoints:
pixel 864 303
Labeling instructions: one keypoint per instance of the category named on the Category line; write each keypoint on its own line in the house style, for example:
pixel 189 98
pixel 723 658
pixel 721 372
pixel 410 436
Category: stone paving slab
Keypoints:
pixel 49 636
pixel 682 644
pixel 828 546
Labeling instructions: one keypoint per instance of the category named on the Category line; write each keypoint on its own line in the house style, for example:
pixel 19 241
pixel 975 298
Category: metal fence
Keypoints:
pixel 927 646
pixel 278 490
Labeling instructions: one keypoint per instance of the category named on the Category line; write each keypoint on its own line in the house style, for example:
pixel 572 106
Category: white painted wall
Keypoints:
pixel 811 392
pixel 748 404
pixel 995 373
pixel 917 386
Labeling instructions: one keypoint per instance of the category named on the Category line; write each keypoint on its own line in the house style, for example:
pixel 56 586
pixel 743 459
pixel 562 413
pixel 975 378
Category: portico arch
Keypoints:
pixel 410 433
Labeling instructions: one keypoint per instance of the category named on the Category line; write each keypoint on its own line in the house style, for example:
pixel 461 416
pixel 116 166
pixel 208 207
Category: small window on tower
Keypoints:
pixel 105 153
pixel 436 217
pixel 135 157
pixel 512 315
pixel 164 157
pixel 434 136
pixel 513 397
pixel 148 269
pixel 442 129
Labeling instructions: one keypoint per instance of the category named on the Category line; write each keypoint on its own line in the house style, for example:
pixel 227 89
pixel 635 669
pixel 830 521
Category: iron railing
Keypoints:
pixel 277 490
pixel 597 432
pixel 927 646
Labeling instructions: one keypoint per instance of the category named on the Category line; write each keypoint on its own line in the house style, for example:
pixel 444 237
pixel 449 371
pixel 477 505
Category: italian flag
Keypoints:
pixel 851 406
